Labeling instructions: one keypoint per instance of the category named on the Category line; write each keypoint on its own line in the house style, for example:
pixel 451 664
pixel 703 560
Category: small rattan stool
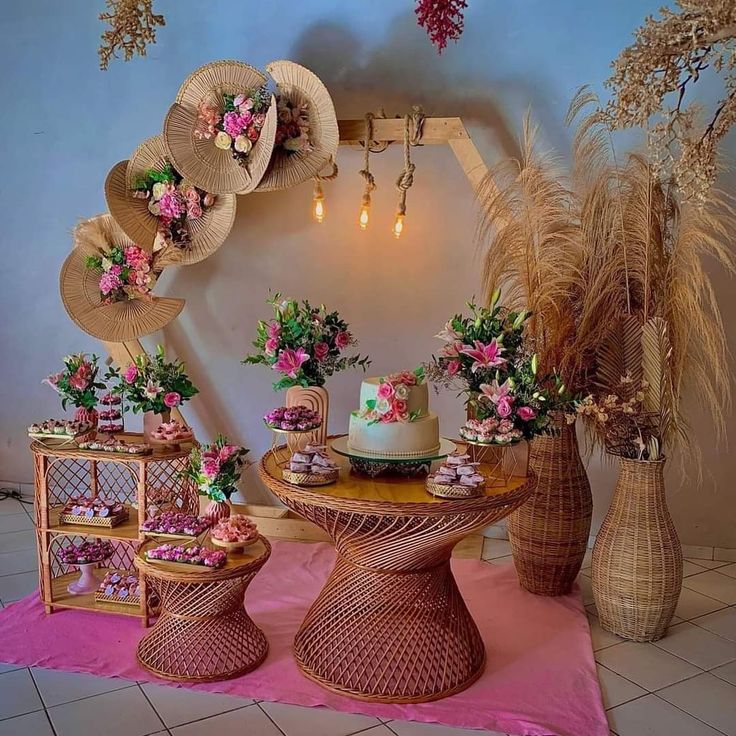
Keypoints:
pixel 390 625
pixel 203 632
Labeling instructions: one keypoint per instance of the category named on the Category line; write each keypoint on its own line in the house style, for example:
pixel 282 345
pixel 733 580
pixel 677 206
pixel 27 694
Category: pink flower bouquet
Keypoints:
pixel 292 129
pixel 77 383
pixel 216 468
pixel 304 344
pixel 126 272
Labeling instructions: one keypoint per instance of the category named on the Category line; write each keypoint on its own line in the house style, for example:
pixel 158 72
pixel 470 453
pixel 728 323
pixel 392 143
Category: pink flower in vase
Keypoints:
pixel 227 452
pixel 172 399
pixel 210 468
pixel 385 391
pixel 290 361
pixel 495 391
pixel 526 413
pixel 131 373
pixel 271 346
pixel 321 349
pixel 453 367
pixel 484 356
pixel 273 329
pixel 342 339
pixel 504 406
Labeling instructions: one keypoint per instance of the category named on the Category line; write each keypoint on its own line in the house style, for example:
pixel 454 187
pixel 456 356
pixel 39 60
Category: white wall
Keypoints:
pixel 64 124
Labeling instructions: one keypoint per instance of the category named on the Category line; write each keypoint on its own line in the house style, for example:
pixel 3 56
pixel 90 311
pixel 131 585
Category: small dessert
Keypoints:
pixel 111 400
pixel 311 466
pixel 108 414
pixel 235 531
pixel 171 522
pixel 59 428
pixel 111 427
pixel 490 431
pixel 172 432
pixel 457 477
pixel 93 507
pixel 297 418
pixel 119 585
pixel 117 446
pixel 194 555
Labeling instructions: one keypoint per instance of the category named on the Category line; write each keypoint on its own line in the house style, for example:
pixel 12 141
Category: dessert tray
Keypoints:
pixel 187 556
pixel 234 533
pixel 311 466
pixel 116 446
pixel 175 525
pixel 59 432
pixel 373 465
pixel 457 477
pixel 171 435
pixel 93 512
pixel 119 586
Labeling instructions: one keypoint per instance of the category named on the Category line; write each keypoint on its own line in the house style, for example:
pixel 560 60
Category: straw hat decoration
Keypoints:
pixel 307 135
pixel 157 208
pixel 220 131
pixel 106 282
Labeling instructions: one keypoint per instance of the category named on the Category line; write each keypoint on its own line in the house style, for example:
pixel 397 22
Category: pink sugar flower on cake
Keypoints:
pixel 290 361
pixel 385 390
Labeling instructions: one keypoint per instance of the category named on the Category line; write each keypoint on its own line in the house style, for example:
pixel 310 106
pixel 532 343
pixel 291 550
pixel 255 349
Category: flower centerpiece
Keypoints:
pixel 155 386
pixel 126 272
pixel 390 404
pixel 215 469
pixel 86 556
pixel 292 128
pixel 235 125
pixel 297 418
pixel 305 344
pixel 175 203
pixel 77 384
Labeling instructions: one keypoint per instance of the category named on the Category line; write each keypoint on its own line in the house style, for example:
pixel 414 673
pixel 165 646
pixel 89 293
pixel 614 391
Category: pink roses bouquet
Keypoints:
pixel 153 383
pixel 391 402
pixel 216 468
pixel 292 129
pixel 236 125
pixel 125 273
pixel 77 383
pixel 174 204
pixel 304 344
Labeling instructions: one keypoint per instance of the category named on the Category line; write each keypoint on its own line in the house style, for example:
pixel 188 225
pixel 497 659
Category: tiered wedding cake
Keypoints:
pixel 394 418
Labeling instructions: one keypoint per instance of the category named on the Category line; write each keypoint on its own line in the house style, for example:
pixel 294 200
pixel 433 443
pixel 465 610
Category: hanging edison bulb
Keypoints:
pixel 318 202
pixel 398 225
pixel 365 210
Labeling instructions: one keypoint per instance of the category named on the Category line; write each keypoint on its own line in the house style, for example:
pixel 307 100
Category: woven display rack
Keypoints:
pixel 390 625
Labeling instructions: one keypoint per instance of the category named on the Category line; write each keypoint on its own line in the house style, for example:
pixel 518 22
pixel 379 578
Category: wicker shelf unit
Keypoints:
pixel 147 485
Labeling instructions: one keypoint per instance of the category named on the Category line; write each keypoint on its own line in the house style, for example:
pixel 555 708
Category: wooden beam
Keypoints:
pixel 469 158
pixel 436 131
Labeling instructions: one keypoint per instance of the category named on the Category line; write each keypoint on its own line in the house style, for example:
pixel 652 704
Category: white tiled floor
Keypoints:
pixel 684 685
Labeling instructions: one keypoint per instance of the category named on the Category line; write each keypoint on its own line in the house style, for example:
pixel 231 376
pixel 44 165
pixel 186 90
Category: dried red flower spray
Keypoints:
pixel 442 19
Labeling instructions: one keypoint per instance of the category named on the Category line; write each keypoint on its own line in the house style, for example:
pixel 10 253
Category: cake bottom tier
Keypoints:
pixel 395 439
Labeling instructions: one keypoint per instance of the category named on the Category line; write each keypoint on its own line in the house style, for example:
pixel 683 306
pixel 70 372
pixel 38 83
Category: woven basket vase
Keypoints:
pixel 637 557
pixel 549 533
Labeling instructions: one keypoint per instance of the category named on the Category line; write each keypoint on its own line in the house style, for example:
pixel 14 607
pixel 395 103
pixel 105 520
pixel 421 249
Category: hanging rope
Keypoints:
pixel 332 175
pixel 413 128
pixel 365 172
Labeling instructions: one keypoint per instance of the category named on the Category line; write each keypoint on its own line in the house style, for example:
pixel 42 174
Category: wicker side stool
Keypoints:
pixel 204 632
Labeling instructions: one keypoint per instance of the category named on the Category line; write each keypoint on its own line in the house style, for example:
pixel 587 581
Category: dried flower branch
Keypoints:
pixel 651 80
pixel 442 19
pixel 132 27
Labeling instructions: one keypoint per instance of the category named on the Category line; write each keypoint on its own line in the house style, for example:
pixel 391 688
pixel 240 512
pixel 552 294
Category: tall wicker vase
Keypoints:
pixel 637 557
pixel 549 533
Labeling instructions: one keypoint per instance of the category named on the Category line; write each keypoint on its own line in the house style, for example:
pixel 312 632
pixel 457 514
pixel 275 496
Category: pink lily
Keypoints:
pixel 290 361
pixel 448 334
pixel 485 356
pixel 494 391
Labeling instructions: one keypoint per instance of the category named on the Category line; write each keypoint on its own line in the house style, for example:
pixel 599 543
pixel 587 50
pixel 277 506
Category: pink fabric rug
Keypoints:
pixel 540 678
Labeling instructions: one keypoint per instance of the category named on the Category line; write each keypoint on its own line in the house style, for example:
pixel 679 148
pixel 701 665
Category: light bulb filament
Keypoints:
pixel 398 225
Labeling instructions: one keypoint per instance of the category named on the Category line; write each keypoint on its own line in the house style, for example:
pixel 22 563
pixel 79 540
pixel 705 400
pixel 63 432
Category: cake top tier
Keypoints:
pixel 405 391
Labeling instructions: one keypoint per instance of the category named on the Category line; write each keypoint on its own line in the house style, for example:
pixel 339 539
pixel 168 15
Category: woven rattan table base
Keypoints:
pixel 204 632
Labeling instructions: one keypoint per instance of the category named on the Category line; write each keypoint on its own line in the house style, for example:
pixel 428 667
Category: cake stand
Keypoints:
pixel 296 439
pixel 372 465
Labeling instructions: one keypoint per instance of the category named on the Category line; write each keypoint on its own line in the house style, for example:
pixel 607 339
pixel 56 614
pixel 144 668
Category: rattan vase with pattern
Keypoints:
pixel 637 557
pixel 549 533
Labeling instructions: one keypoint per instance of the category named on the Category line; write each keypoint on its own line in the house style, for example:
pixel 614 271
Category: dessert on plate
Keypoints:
pixel 234 532
pixel 456 477
pixel 172 431
pixel 394 418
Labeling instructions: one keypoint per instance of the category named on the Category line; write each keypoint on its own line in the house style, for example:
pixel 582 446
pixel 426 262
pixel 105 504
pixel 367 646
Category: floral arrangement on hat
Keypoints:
pixel 153 384
pixel 126 272
pixel 234 125
pixel 77 383
pixel 86 553
pixel 174 202
pixel 215 468
pixel 305 344
pixel 478 346
pixel 292 128
pixel 391 402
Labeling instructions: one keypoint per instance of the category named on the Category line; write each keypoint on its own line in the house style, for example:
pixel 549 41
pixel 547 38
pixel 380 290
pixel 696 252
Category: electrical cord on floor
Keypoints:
pixel 16 494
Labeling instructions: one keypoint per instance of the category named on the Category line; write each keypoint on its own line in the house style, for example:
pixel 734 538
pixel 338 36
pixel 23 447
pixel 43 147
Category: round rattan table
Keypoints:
pixel 390 625
pixel 203 631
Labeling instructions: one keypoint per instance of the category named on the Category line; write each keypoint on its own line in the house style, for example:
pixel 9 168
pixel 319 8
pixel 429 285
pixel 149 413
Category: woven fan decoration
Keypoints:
pixel 80 289
pixel 207 232
pixel 302 89
pixel 200 161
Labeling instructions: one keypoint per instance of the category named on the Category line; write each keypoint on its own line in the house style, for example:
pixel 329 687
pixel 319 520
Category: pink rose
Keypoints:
pixel 131 373
pixel 400 406
pixel 503 407
pixel 172 399
pixel 388 417
pixel 227 452
pixel 385 391
pixel 526 413
pixel 342 339
pixel 210 468
pixel 453 367
pixel 78 383
pixel 271 346
pixel 192 195
pixel 194 211
pixel 321 349
pixel 402 417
